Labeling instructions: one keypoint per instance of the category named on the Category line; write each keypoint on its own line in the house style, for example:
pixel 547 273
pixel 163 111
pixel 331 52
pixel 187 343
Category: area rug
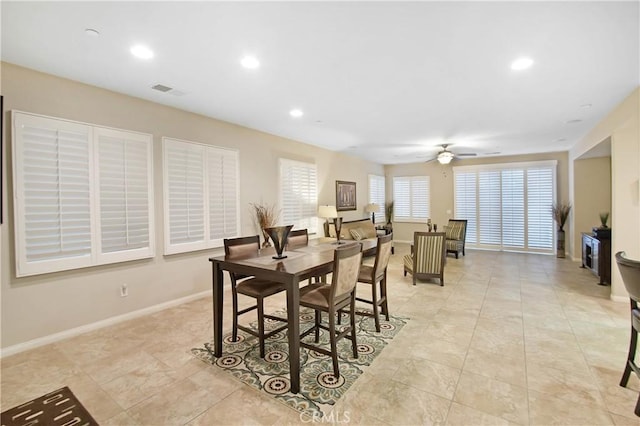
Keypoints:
pixel 319 389
pixel 59 407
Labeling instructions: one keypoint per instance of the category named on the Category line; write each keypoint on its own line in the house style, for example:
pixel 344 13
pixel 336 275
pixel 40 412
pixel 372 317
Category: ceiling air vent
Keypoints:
pixel 162 88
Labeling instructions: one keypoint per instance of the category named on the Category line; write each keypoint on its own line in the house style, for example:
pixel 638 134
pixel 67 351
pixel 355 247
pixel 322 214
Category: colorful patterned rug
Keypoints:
pixel 319 390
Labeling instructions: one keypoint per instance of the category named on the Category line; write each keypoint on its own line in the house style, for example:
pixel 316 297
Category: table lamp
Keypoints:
pixel 328 212
pixel 372 208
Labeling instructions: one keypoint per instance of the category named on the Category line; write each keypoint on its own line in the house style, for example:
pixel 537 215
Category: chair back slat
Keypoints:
pixel 346 267
pixel 298 238
pixel 428 252
pixel 243 246
pixel 383 254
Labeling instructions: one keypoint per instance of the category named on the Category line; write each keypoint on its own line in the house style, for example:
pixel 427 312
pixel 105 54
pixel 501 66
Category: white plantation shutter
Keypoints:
pixel 69 206
pixel 299 195
pixel 490 209
pixel 222 167
pixel 411 199
pixel 513 208
pixel 377 196
pixel 540 197
pixel 465 202
pixel 125 191
pixel 200 195
pixel 514 204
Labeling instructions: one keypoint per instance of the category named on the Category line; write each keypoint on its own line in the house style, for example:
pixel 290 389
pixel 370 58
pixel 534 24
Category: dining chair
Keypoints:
pixel 427 257
pixel 252 287
pixel 331 298
pixel 298 238
pixel 630 272
pixel 374 275
pixel 455 236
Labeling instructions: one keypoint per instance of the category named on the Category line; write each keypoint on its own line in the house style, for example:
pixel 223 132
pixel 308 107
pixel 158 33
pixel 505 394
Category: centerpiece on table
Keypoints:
pixel 264 216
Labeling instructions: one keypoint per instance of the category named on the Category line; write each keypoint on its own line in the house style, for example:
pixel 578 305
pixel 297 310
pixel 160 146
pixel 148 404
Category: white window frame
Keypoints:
pixel 94 257
pixel 499 167
pixel 377 195
pixel 311 219
pixel 205 242
pixel 414 201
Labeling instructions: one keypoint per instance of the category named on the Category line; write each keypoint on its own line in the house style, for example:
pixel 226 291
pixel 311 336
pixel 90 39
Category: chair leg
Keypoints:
pixel 456 254
pixel 334 346
pixel 317 328
pixel 633 341
pixel 261 326
pixel 374 300
pixel 354 345
pixel 234 328
pixel 383 295
pixel 405 272
pixel 637 410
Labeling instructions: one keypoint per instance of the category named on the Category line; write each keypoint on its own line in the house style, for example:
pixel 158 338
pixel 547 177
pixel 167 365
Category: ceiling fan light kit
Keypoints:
pixel 445 157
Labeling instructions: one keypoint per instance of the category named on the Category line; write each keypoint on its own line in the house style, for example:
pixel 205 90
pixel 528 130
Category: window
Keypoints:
pixel 299 195
pixel 200 195
pixel 377 196
pixel 507 206
pixel 83 195
pixel 411 199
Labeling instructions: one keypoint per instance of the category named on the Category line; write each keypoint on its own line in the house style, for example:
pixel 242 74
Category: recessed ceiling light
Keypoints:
pixel 521 64
pixel 296 113
pixel 574 121
pixel 142 52
pixel 91 32
pixel 250 62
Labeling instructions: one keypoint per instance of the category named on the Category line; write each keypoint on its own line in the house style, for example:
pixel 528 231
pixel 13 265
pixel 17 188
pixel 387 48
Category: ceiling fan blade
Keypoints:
pixel 466 154
pixel 431 160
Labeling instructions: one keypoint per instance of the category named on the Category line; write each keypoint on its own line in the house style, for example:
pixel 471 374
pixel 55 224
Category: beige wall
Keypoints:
pixel 35 307
pixel 591 196
pixel 622 125
pixel 441 179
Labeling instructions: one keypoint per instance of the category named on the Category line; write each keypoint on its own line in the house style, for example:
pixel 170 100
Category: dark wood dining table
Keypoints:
pixel 301 263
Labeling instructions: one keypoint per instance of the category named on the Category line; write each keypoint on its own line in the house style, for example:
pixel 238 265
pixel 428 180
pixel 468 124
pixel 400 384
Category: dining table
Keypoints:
pixel 301 263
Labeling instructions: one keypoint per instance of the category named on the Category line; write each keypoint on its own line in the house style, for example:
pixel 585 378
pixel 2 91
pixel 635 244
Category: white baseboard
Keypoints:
pixel 52 338
pixel 620 299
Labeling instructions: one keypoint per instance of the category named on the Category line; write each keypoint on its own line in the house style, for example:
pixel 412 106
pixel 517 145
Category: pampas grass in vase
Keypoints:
pixel 264 216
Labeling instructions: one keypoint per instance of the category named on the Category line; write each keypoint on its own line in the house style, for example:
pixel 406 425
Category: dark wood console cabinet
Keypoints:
pixel 596 254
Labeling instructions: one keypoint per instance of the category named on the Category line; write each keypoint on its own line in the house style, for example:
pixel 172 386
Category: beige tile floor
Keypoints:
pixel 510 339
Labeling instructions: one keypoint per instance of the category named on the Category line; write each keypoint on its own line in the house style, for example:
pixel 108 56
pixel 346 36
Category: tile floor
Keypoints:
pixel 510 339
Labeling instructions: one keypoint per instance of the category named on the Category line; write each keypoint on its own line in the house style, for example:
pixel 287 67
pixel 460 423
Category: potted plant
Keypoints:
pixel 388 209
pixel 560 214
pixel 604 218
pixel 264 216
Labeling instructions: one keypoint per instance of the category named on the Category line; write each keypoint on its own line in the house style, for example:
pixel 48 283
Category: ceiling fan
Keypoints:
pixel 445 156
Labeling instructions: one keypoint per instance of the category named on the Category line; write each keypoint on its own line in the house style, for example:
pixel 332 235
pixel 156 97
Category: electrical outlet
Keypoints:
pixel 124 290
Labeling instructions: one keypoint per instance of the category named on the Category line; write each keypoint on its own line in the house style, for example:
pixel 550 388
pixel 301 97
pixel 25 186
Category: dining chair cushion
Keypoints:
pixel 243 250
pixel 365 274
pixel 257 287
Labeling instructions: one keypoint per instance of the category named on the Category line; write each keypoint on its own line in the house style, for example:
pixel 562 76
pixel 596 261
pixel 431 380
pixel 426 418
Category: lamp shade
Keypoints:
pixel 371 208
pixel 327 211
pixel 445 157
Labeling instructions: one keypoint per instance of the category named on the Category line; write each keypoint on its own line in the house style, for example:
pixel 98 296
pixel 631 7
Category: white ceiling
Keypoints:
pixel 386 81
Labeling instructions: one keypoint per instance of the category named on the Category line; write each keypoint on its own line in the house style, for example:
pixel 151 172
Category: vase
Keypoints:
pixel 279 235
pixel 560 244
pixel 266 242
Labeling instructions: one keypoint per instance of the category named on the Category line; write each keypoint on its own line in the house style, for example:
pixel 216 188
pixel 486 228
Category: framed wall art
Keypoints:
pixel 345 195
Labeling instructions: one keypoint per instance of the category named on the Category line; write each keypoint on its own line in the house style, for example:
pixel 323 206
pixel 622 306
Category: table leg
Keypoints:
pixel 293 316
pixel 218 291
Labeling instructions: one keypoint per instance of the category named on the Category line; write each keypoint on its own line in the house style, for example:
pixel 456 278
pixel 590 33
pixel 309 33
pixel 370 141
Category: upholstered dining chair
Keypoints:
pixel 298 238
pixel 427 257
pixel 377 274
pixel 251 287
pixel 630 271
pixel 331 298
pixel 455 236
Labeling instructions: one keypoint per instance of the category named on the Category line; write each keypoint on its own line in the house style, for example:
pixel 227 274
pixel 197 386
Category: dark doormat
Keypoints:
pixel 59 407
